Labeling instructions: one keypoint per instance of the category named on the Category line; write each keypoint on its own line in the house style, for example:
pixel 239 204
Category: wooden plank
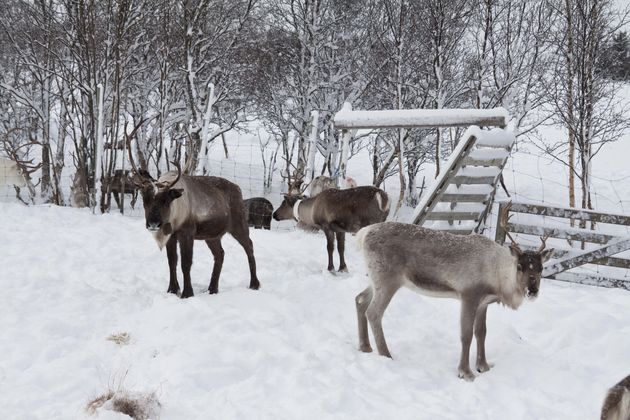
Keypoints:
pixel 499 236
pixel 592 280
pixel 564 233
pixel 452 215
pixel 615 246
pixel 469 161
pixel 419 118
pixel 461 179
pixel 608 261
pixel 569 213
pixel 463 198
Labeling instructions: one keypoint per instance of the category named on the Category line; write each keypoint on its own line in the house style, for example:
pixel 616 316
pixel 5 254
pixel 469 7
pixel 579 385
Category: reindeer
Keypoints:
pixel 182 208
pixel 121 183
pixel 617 402
pixel 321 183
pixel 473 269
pixel 336 212
pixel 259 211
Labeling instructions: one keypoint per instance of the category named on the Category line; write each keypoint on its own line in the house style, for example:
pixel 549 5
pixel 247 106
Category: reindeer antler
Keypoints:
pixel 503 221
pixel 295 183
pixel 544 240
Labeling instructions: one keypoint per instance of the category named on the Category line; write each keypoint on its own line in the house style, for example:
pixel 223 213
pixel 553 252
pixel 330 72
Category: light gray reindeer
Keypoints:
pixel 473 269
pixel 321 183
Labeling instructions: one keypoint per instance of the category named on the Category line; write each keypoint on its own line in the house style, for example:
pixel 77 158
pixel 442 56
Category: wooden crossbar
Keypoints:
pixel 613 247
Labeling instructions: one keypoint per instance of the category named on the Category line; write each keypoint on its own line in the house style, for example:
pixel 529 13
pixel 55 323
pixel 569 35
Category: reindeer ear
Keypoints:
pixel 546 254
pixel 174 193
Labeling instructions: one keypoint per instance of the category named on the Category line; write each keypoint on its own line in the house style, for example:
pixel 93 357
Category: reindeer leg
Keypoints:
pixel 363 300
pixel 171 253
pixel 467 319
pixel 382 296
pixel 241 235
pixel 134 197
pixel 218 254
pixel 186 242
pixel 117 199
pixel 330 247
pixel 480 337
pixel 341 246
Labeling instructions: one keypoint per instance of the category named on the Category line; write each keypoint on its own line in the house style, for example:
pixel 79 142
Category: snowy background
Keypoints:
pixel 290 349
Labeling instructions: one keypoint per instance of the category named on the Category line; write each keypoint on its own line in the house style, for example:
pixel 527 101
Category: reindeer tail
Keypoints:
pixel 382 200
pixel 361 236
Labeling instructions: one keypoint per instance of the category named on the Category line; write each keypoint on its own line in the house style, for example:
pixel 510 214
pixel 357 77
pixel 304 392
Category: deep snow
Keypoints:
pixel 287 351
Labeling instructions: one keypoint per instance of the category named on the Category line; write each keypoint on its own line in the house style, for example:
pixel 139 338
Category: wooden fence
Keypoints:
pixel 604 254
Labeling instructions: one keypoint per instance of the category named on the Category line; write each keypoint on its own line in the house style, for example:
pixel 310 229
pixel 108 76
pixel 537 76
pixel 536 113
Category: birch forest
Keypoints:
pixel 85 83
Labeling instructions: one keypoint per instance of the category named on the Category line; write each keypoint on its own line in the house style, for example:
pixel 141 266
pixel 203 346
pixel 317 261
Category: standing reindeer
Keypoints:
pixel 121 183
pixel 258 211
pixel 336 212
pixel 321 183
pixel 182 208
pixel 473 269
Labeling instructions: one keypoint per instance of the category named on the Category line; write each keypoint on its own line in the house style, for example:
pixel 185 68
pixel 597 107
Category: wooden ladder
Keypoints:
pixel 461 197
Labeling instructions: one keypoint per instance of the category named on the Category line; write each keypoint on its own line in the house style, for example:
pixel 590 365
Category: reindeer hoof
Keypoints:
pixel 187 294
pixel 254 285
pixel 483 367
pixel 343 269
pixel 366 348
pixel 213 290
pixel 466 375
pixel 173 290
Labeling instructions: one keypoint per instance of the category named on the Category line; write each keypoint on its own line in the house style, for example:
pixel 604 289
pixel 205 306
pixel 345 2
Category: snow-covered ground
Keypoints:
pixel 287 351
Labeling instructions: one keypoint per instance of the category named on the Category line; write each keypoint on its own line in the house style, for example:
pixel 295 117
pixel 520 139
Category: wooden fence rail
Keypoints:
pixel 566 259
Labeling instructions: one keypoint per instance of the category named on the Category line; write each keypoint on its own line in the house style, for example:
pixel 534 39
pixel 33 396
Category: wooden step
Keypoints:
pixel 462 198
pixel 462 179
pixel 452 215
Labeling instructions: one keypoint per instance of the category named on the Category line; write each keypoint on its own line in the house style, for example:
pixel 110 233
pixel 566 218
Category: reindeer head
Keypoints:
pixel 529 264
pixel 157 196
pixel 285 211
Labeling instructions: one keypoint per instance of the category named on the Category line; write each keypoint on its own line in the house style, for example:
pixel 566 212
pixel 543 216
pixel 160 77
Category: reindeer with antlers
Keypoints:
pixel 182 208
pixel 472 268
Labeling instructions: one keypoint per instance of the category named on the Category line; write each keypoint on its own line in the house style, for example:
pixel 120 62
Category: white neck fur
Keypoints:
pixel 296 210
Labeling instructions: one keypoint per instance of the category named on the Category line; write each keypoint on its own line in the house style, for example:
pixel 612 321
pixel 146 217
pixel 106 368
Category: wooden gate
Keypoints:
pixel 601 248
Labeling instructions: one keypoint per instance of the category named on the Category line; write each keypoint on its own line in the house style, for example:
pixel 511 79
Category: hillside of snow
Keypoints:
pixel 287 351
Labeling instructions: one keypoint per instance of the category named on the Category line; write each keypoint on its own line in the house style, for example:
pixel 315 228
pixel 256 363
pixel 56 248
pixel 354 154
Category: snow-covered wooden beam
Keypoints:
pixel 613 247
pixel 572 213
pixel 592 280
pixel 348 119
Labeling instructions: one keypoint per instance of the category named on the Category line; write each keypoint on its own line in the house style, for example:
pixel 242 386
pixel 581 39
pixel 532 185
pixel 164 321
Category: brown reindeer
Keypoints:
pixel 336 212
pixel 182 208
pixel 259 211
pixel 121 183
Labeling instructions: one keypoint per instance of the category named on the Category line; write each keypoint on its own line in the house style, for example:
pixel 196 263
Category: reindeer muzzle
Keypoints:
pixel 153 227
